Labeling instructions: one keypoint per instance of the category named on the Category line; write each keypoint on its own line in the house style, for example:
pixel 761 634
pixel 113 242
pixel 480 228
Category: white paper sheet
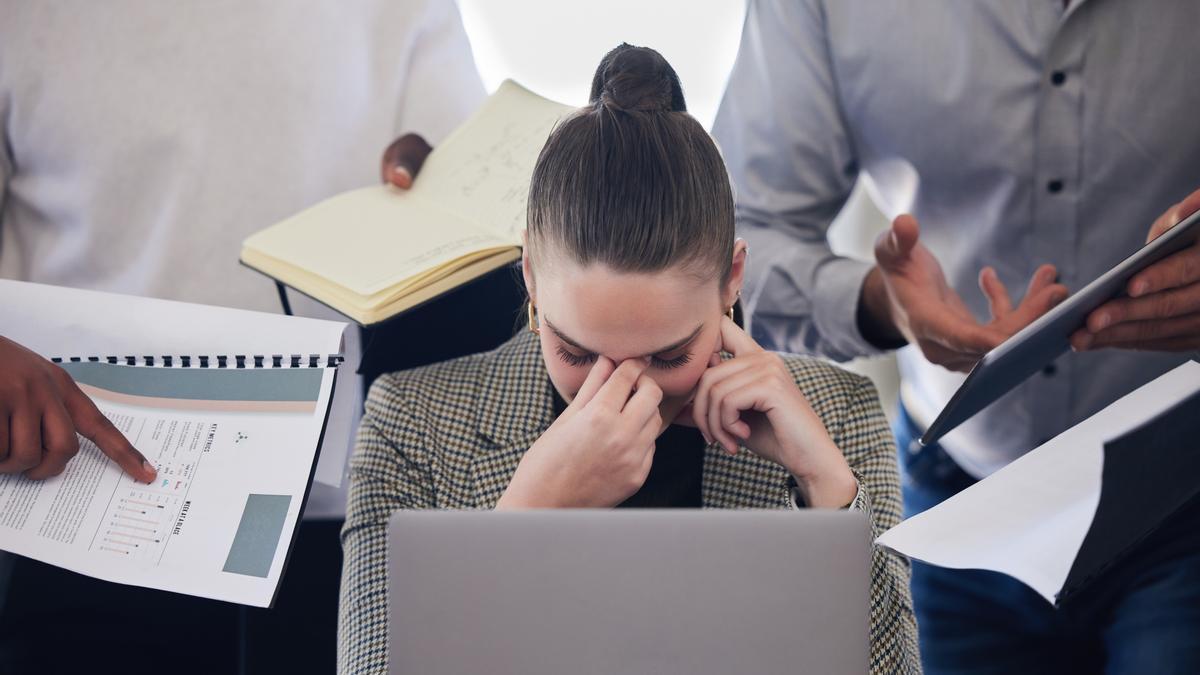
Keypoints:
pixel 233 454
pixel 64 322
pixel 1029 519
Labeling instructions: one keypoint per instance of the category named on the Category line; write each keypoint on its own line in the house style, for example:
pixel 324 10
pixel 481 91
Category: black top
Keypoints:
pixel 674 480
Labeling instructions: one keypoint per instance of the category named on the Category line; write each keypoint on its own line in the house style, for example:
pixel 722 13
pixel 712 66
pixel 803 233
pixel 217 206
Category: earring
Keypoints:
pixel 729 312
pixel 533 322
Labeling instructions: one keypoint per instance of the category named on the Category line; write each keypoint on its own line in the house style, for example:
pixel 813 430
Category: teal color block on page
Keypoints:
pixel 257 535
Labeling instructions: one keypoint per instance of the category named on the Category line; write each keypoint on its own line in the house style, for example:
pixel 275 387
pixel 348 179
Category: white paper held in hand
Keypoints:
pixel 1029 519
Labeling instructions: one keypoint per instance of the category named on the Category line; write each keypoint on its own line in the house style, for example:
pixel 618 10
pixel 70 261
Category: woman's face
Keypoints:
pixel 670 317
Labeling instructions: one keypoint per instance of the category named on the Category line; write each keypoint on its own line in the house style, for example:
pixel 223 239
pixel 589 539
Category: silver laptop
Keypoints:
pixel 638 592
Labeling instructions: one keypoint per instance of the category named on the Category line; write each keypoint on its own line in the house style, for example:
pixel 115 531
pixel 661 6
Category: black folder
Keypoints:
pixel 1150 474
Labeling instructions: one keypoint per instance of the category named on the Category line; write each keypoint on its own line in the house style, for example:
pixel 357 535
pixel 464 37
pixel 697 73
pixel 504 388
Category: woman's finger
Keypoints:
pixel 616 390
pixel 643 405
pixel 735 340
pixel 712 418
pixel 713 375
pixel 735 396
pixel 601 370
pixel 735 406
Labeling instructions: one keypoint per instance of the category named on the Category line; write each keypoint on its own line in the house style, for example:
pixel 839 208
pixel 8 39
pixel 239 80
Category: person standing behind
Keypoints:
pixel 1034 141
pixel 141 142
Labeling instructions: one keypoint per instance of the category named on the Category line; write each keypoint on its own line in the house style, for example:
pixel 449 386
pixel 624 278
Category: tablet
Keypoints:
pixel 1044 340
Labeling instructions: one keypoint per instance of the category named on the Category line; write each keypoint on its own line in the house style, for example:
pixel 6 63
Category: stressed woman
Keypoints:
pixel 632 385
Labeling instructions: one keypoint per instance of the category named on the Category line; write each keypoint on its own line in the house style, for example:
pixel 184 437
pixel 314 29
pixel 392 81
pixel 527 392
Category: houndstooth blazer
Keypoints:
pixel 450 435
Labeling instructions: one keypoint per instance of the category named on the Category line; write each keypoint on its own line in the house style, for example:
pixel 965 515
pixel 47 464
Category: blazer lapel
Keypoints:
pixel 516 407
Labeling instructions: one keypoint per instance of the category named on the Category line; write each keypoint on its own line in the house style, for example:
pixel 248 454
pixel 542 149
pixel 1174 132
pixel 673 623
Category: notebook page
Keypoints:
pixel 366 240
pixel 469 197
pixel 481 171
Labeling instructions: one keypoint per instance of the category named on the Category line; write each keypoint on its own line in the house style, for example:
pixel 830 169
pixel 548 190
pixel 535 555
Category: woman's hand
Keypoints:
pixel 599 450
pixel 752 400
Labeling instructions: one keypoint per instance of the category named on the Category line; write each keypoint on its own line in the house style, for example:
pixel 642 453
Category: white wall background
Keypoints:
pixel 553 47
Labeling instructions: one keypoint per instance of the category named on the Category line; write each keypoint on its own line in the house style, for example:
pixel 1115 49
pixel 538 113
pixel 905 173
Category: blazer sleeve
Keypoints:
pixel 867 442
pixel 389 470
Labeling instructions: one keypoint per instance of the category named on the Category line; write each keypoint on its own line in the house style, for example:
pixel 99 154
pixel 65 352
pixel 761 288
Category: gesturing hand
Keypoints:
pixel 599 450
pixel 907 295
pixel 752 399
pixel 1162 310
pixel 41 409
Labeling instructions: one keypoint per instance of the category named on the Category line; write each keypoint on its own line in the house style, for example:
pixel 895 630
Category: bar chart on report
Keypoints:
pixel 141 518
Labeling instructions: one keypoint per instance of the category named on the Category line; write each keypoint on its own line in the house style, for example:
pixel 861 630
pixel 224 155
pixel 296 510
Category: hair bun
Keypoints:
pixel 639 79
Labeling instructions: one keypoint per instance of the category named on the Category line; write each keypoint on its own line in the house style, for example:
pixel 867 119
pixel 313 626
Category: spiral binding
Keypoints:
pixel 217 361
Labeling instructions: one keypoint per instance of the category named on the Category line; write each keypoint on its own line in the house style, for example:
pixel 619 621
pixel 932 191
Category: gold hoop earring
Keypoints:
pixel 533 322
pixel 729 312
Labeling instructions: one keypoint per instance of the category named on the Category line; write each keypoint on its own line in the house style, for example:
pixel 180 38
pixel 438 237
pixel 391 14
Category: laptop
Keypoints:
pixel 647 592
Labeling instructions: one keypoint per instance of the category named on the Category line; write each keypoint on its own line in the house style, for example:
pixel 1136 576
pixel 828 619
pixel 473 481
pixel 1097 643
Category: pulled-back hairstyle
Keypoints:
pixel 632 180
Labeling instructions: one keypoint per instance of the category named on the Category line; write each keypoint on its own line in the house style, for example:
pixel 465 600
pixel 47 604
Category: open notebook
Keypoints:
pixel 377 251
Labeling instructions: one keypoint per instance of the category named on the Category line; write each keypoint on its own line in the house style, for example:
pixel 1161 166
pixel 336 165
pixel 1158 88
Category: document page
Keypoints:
pixel 1029 519
pixel 234 450
pixel 63 322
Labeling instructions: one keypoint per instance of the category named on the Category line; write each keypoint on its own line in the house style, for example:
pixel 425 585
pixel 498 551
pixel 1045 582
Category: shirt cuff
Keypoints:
pixel 797 498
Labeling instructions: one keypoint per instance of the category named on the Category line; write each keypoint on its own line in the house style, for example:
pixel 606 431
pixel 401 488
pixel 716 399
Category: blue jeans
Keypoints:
pixel 1142 616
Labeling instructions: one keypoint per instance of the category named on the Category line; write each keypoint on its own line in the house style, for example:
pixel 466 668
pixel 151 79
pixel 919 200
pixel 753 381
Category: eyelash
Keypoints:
pixel 664 364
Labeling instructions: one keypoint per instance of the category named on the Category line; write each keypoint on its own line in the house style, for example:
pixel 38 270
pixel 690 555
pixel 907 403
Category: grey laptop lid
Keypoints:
pixel 639 592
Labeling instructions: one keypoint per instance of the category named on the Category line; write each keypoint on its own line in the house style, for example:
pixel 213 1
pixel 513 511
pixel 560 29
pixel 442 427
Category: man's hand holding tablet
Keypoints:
pixel 1164 315
pixel 1162 310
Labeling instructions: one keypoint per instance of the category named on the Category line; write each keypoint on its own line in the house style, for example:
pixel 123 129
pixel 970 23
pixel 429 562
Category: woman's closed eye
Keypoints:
pixel 581 360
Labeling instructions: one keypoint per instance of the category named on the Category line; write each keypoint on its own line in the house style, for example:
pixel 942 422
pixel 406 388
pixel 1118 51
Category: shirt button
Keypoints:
pixel 1050 370
pixel 1057 78
pixel 1055 186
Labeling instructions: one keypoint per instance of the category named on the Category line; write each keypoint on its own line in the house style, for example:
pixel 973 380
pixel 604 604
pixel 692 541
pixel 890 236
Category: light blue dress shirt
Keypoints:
pixel 1017 132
